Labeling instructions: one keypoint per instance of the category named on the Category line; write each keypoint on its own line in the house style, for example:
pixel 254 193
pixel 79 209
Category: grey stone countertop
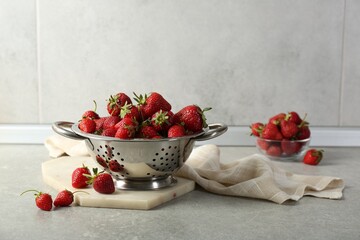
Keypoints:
pixel 196 215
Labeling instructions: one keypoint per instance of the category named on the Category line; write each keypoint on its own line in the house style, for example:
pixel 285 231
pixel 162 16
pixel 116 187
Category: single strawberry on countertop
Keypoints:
pixel 78 180
pixel 313 156
pixel 42 200
pixel 64 199
pixel 102 182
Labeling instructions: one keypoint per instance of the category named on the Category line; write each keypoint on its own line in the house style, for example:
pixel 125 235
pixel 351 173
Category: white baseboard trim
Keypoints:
pixel 235 136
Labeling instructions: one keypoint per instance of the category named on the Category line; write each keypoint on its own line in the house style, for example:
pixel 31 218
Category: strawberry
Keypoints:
pixel 274 150
pixel 111 121
pixel 256 129
pixel 271 132
pixel 313 156
pixel 294 117
pixel 64 198
pixel 126 128
pixel 91 113
pixel 263 144
pixel 304 132
pixel 102 182
pixel 115 166
pixel 115 103
pixel 288 129
pixel 131 111
pixel 176 130
pixel 42 200
pixel 162 120
pixel 87 125
pixel 152 104
pixel 99 124
pixel 277 118
pixel 147 131
pixel 192 118
pixel 78 180
pixel 290 147
pixel 109 132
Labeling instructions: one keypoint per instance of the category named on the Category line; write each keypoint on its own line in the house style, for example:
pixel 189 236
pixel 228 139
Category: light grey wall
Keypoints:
pixel 247 59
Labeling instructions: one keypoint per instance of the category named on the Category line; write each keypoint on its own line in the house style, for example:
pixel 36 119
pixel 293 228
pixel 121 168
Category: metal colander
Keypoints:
pixel 139 163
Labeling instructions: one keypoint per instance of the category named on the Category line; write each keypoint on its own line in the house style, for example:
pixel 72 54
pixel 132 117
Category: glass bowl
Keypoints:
pixel 282 150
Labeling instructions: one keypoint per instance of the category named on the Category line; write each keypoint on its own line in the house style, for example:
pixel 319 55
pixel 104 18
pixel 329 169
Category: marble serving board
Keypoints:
pixel 57 174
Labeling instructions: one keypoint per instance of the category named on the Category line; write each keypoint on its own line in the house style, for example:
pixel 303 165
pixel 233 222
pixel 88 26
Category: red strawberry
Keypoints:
pixel 131 111
pixel 99 124
pixel 304 132
pixel 271 132
pixel 91 113
pixel 277 118
pixel 313 156
pixel 115 166
pixel 192 118
pixel 147 131
pixel 151 104
pixel 294 117
pixel 256 129
pixel 87 125
pixel 162 120
pixel 109 132
pixel 102 182
pixel 263 144
pixel 126 128
pixel 78 180
pixel 64 198
pixel 288 129
pixel 274 150
pixel 116 102
pixel 42 200
pixel 176 130
pixel 111 121
pixel 290 147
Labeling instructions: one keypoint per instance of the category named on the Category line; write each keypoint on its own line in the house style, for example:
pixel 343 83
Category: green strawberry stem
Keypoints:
pixel 38 193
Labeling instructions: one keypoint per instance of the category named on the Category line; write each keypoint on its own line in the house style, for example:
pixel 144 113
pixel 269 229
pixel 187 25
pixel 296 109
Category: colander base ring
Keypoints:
pixel 126 184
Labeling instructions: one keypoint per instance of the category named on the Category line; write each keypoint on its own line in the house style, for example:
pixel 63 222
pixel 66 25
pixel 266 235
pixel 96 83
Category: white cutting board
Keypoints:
pixel 57 174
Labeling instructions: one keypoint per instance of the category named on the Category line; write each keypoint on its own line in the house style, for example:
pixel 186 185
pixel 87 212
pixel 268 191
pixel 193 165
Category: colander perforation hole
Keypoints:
pixel 118 153
pixel 100 146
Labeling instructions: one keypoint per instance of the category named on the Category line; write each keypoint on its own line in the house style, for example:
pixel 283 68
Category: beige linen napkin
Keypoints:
pixel 254 176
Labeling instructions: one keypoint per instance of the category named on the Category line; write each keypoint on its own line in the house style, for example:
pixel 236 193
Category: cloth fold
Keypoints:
pixel 254 176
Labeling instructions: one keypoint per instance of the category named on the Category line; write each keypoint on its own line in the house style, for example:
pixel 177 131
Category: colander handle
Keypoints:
pixel 64 129
pixel 215 130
